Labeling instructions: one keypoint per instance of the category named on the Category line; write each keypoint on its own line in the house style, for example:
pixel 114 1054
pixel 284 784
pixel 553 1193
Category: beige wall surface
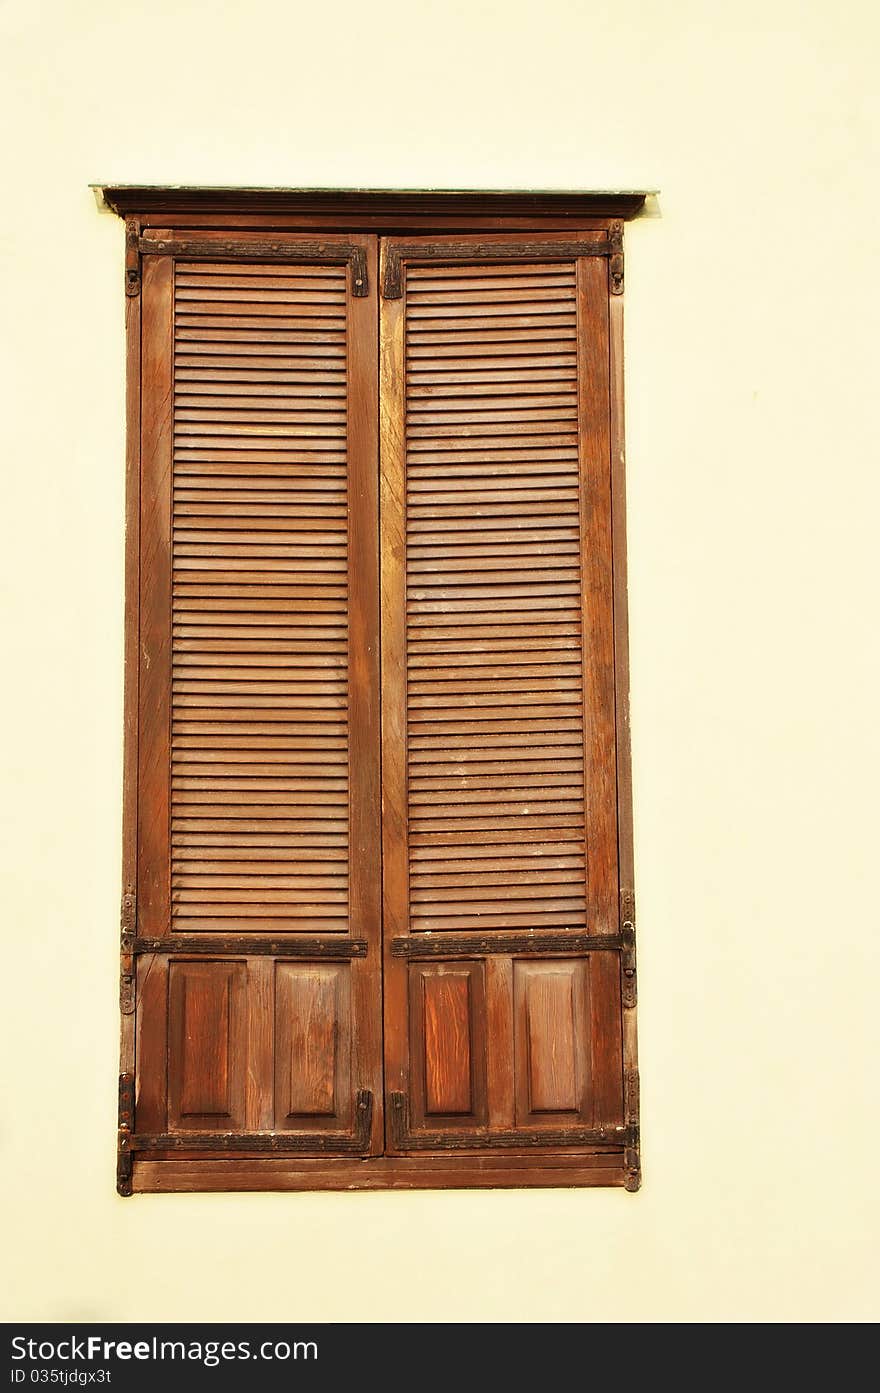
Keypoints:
pixel 752 315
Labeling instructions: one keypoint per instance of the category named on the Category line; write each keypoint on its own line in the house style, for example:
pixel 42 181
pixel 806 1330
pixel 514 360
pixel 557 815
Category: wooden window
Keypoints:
pixel 378 901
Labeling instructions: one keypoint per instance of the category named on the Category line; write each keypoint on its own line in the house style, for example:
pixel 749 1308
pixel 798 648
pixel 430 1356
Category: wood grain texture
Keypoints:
pixel 499 757
pixel 207 1046
pixel 447 1020
pixel 259 701
pixel 498 496
pixel 505 715
pixel 596 579
pixel 511 459
pixel 313 1045
pixel 154 687
pixel 364 694
pixel 240 562
pixel 629 1043
pixel 552 1041
pixel 447 1028
pixel 395 837
pixel 372 208
pixel 382 1173
pixel 127 1033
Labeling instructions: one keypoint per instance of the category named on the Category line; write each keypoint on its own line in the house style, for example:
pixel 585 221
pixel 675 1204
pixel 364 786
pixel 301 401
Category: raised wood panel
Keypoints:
pixel 207 1045
pixel 448 1043
pixel 552 1049
pixel 447 1016
pixel 313 1084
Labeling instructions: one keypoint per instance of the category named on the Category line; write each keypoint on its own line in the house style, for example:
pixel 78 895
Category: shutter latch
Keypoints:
pixel 615 257
pixel 632 1151
pixel 132 259
pixel 125 1129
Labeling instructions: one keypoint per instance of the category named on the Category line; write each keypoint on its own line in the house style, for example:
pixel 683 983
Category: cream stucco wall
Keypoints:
pixel 752 444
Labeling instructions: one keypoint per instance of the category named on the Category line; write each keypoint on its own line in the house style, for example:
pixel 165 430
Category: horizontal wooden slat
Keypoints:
pixel 529 919
pixel 554 870
pixel 246 924
pixel 486 838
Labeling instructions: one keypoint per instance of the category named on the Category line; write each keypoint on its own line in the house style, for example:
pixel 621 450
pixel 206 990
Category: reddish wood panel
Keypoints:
pixel 312 1044
pixel 447 1016
pixel 448 1043
pixel 207 1045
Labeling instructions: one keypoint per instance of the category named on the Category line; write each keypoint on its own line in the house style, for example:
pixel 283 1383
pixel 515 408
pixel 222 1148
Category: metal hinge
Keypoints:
pixel 632 1156
pixel 615 259
pixel 628 948
pixel 132 259
pixel 125 1130
pixel 128 924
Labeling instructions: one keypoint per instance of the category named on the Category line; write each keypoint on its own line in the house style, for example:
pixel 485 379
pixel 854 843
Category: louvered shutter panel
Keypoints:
pixel 503 1023
pixel 258 916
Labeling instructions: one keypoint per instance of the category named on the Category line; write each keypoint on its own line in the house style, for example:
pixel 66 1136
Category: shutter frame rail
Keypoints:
pixel 356 1143
pixel 455 945
pixel 308 252
pixel 306 947
pixel 608 244
pixel 404 1139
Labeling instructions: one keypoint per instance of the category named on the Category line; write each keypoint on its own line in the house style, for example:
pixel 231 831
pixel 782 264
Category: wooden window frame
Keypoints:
pixel 192 212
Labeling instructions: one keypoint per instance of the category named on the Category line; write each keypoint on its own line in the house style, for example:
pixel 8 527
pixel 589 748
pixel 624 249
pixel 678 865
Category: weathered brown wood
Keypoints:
pixel 625 843
pixel 313 1046
pixel 589 1167
pixel 395 833
pixel 227 565
pixel 260 1099
pixel 552 1034
pixel 502 524
pixel 405 1139
pixel 596 571
pixel 560 1058
pixel 344 208
pixel 364 694
pixel 207 1045
pixel 221 247
pixel 304 947
pixel 506 250
pixel 228 1144
pixel 151 1072
pixel 447 1045
pixel 435 945
pixel 154 688
pixel 500 1032
pixel 131 658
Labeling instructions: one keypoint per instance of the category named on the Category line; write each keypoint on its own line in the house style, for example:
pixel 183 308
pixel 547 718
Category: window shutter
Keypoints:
pixel 377 917
pixel 503 999
pixel 258 915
